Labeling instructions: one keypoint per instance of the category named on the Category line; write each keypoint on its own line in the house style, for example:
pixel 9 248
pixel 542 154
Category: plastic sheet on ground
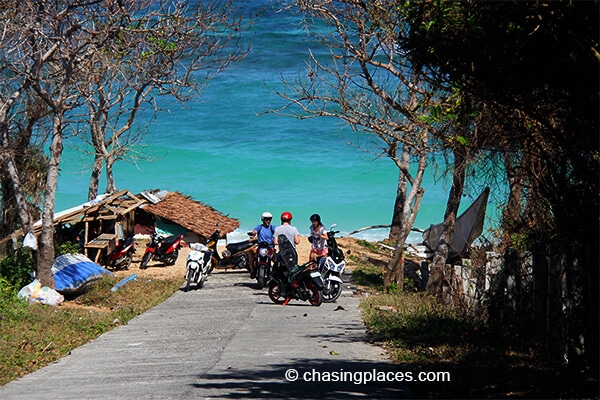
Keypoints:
pixel 35 293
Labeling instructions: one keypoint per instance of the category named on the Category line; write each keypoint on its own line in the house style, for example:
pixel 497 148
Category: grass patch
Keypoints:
pixel 368 245
pixel 34 336
pixel 367 275
pixel 483 361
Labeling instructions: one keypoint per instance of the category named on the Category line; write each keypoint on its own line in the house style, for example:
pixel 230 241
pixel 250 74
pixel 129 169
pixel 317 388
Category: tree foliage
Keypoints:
pixel 534 68
pixel 535 65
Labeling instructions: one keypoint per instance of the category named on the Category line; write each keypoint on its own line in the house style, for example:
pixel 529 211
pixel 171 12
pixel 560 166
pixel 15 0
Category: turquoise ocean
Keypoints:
pixel 223 150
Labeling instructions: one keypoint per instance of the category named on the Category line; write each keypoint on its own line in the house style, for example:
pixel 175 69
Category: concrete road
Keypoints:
pixel 226 340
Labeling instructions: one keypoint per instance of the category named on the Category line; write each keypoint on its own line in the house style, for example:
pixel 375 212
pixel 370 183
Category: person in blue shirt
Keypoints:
pixel 263 233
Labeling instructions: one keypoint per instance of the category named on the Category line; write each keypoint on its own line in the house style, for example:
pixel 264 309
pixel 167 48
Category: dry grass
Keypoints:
pixel 483 360
pixel 36 335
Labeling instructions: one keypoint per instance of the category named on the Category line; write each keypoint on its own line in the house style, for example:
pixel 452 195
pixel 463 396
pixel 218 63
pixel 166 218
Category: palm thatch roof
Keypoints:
pixel 191 214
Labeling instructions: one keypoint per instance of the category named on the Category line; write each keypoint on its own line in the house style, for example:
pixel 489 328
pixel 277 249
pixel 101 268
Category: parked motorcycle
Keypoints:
pixel 163 249
pixel 332 268
pixel 197 265
pixel 262 264
pixel 235 255
pixel 122 255
pixel 292 281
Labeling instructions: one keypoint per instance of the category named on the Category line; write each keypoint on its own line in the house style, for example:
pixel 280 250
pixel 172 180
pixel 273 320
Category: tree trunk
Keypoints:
pixel 45 253
pixel 399 204
pixel 8 161
pixel 97 135
pixel 442 250
pixel 110 178
pixel 405 212
pixel 95 177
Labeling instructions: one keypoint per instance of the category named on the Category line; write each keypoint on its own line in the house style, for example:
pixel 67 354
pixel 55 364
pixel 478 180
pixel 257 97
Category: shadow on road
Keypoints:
pixel 306 378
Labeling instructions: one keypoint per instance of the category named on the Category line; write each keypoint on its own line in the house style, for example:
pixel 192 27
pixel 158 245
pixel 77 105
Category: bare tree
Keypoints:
pixel 168 49
pixel 22 57
pixel 50 51
pixel 370 83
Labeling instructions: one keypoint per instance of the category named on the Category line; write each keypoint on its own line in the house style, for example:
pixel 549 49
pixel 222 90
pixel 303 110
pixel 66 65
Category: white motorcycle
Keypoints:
pixel 332 268
pixel 197 265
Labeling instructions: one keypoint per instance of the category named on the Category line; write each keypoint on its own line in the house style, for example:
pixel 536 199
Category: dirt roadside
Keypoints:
pixel 157 270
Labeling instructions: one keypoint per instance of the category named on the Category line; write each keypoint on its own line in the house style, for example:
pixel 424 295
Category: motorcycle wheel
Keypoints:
pixel 145 260
pixel 213 263
pixel 261 276
pixel 171 259
pixel 275 293
pixel 200 283
pixel 243 263
pixel 331 294
pixel 316 296
pixel 189 281
pixel 126 262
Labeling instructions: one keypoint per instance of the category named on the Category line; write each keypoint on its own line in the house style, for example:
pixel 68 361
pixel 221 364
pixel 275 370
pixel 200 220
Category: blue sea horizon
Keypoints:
pixel 223 150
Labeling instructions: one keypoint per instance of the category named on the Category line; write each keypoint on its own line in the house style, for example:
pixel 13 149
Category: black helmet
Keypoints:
pixel 315 217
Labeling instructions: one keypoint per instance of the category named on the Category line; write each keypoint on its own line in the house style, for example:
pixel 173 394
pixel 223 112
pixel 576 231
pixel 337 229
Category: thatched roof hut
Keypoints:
pixel 123 214
pixel 193 215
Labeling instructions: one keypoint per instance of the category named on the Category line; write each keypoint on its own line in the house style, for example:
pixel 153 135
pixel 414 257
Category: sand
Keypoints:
pixel 157 270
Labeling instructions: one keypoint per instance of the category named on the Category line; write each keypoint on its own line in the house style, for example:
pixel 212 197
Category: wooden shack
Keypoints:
pixel 98 225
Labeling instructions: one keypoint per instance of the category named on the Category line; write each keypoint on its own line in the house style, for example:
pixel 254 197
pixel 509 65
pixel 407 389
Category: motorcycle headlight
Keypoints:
pixel 263 251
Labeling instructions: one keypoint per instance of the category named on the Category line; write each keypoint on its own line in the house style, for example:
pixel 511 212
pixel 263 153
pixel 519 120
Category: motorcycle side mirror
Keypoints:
pixel 333 226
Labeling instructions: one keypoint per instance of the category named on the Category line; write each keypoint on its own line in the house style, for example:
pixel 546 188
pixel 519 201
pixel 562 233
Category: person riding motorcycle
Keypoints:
pixel 263 233
pixel 291 232
pixel 293 236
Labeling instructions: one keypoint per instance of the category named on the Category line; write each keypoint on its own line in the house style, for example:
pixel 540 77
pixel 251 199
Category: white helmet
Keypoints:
pixel 266 214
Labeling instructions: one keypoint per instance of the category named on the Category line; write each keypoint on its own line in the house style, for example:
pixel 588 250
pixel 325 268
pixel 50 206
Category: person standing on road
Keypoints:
pixel 317 238
pixel 286 229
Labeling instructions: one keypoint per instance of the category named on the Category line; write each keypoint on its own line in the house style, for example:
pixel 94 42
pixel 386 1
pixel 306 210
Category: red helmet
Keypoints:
pixel 286 216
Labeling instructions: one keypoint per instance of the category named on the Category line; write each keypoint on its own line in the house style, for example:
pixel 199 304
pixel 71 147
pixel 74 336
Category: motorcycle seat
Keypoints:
pixel 168 241
pixel 236 247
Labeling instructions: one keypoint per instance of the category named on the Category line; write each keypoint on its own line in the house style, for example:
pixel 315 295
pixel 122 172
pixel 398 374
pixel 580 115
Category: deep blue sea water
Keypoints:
pixel 221 151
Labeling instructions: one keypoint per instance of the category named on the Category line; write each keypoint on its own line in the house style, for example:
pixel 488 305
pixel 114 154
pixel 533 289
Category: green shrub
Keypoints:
pixel 368 275
pixel 369 245
pixel 8 294
pixel 67 248
pixel 392 288
pixel 17 268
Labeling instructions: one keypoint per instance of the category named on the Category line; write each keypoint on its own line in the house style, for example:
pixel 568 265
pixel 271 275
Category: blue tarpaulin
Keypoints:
pixel 74 272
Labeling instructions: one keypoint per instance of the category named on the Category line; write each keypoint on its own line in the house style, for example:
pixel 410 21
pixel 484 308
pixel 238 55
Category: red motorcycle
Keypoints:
pixel 292 281
pixel 162 249
pixel 121 257
pixel 262 265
